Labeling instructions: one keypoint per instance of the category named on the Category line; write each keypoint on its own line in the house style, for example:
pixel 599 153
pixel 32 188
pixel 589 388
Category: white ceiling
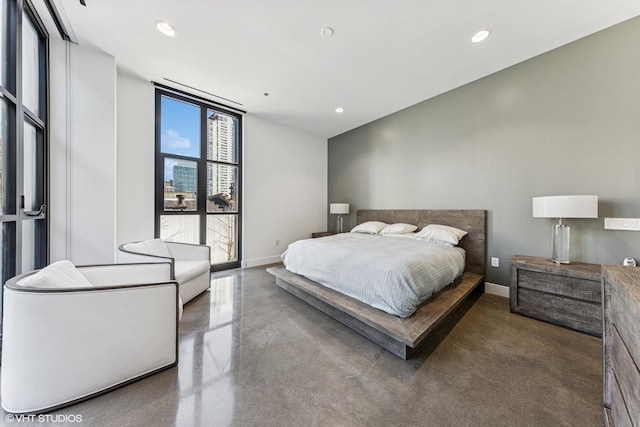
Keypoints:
pixel 384 56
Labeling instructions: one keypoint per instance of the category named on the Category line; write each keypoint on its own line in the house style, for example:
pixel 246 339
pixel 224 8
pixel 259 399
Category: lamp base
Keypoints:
pixel 340 224
pixel 561 234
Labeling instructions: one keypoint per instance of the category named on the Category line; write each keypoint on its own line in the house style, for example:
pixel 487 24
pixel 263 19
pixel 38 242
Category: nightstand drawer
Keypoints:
pixel 568 295
pixel 572 287
pixel 572 313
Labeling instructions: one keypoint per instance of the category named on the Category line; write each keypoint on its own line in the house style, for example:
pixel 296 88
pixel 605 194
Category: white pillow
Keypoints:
pixel 155 247
pixel 398 228
pixel 369 227
pixel 441 234
pixel 61 274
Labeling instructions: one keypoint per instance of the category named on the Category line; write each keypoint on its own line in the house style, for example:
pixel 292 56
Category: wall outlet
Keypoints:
pixel 495 262
pixel 276 242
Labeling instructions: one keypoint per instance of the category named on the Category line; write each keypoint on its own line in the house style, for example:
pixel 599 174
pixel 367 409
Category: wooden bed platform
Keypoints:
pixel 400 336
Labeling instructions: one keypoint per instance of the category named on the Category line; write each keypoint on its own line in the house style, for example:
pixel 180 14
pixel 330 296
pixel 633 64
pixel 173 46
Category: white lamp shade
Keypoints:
pixel 339 208
pixel 565 207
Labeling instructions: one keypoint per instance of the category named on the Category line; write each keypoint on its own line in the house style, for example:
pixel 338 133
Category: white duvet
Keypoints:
pixel 393 275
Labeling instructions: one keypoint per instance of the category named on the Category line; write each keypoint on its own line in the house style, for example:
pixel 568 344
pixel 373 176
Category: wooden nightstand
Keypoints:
pixel 568 295
pixel 322 234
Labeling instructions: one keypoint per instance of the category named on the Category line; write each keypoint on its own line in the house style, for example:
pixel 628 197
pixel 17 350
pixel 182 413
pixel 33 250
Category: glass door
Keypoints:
pixel 33 218
pixel 33 221
pixel 23 148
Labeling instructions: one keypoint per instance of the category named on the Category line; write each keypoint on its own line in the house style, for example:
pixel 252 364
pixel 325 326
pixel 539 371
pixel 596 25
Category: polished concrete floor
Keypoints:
pixel 253 355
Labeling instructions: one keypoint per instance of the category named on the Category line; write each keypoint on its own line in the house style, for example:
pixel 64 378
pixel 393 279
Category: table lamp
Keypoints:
pixel 339 209
pixel 563 207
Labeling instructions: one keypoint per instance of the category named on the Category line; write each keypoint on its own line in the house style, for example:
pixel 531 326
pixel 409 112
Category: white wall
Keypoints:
pixel 82 206
pixel 285 188
pixel 102 191
pixel 135 160
pixel 284 181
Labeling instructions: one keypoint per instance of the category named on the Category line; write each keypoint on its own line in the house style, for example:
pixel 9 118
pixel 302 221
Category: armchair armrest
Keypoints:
pixel 124 255
pixel 188 251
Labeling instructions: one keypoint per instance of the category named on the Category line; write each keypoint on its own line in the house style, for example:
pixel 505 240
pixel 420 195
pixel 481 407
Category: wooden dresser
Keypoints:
pixel 568 295
pixel 621 342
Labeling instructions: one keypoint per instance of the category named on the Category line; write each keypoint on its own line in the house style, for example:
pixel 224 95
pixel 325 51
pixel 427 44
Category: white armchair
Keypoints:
pixel 64 344
pixel 190 264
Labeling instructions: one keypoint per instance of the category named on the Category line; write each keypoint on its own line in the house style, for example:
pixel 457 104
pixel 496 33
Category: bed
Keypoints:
pixel 400 335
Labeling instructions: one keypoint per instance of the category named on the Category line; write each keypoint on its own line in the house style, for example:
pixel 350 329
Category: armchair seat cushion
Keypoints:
pixel 187 270
pixel 190 262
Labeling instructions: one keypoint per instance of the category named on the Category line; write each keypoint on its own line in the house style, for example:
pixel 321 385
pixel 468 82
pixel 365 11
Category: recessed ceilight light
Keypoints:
pixel 166 29
pixel 326 32
pixel 339 110
pixel 480 36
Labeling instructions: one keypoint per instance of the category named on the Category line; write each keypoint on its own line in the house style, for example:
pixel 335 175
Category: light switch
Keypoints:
pixel 631 224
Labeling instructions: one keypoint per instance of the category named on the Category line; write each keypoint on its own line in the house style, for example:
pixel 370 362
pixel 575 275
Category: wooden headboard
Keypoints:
pixel 472 221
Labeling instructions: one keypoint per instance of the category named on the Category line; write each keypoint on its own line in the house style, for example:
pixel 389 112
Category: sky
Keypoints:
pixel 180 130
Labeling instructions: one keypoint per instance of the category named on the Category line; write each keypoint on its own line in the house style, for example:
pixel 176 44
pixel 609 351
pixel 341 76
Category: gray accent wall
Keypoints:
pixel 565 122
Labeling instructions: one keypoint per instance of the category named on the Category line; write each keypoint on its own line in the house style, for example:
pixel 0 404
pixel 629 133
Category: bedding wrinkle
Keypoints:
pixel 393 275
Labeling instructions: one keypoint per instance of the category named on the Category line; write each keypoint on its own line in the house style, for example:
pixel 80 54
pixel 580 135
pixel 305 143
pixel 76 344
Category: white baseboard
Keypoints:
pixel 495 289
pixel 260 261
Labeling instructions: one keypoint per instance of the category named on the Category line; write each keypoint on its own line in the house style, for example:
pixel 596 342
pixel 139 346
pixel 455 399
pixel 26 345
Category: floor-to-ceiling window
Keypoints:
pixel 198 171
pixel 23 136
pixel 23 150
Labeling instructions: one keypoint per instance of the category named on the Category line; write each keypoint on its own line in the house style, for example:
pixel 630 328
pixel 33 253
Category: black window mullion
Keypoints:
pixel 32 118
pixel 4 93
pixel 19 130
pixel 11 34
pixel 9 159
pixel 218 162
pixel 40 194
pixel 159 172
pixel 202 175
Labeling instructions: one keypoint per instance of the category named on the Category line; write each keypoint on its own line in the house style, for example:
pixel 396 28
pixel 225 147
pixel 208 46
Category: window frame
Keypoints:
pixel 20 115
pixel 19 222
pixel 202 165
